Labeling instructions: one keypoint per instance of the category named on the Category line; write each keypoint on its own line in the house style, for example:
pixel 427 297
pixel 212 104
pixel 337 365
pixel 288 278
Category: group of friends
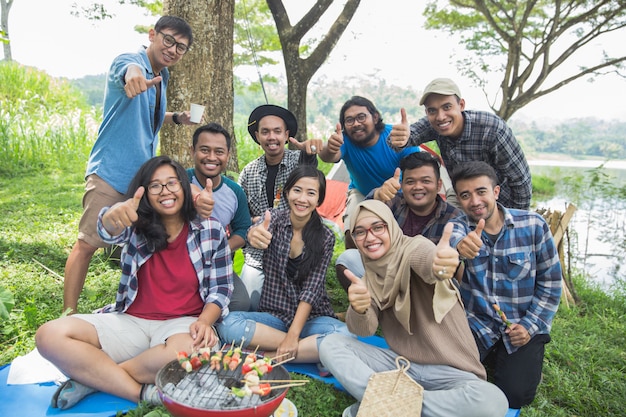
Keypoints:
pixel 424 265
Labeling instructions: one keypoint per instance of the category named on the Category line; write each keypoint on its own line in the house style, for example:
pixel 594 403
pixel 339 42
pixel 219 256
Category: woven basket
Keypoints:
pixel 392 393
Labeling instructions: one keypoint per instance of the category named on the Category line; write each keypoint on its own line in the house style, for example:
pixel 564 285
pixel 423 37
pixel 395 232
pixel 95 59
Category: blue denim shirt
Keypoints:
pixel 128 135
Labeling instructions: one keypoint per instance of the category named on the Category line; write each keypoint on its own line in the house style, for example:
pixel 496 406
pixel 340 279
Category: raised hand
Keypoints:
pixel 446 258
pixel 399 136
pixel 310 146
pixel 124 214
pixel 358 294
pixel 471 244
pixel 259 235
pixel 390 188
pixel 336 140
pixel 136 82
pixel 204 201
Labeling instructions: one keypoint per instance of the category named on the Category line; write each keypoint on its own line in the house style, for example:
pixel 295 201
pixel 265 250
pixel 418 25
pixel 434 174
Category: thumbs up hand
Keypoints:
pixel 446 258
pixel 389 189
pixel 135 81
pixel 471 244
pixel 336 140
pixel 259 235
pixel 399 136
pixel 203 200
pixel 358 294
pixel 124 214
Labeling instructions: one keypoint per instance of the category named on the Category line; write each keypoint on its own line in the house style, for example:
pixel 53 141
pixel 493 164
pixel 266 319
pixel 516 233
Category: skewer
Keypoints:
pixel 285 361
pixel 293 384
pixel 270 381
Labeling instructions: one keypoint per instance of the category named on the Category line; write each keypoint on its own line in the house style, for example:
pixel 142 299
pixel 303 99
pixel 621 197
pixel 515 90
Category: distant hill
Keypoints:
pixel 578 138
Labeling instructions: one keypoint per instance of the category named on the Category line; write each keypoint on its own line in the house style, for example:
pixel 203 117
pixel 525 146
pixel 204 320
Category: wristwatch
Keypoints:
pixel 175 118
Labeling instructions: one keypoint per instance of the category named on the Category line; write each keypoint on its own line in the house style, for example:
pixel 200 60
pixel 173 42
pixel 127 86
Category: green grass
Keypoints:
pixel 40 202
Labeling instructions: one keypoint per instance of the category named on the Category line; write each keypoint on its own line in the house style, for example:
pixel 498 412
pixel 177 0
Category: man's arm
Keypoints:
pixel 511 164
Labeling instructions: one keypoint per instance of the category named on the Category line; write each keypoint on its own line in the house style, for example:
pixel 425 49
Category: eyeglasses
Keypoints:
pixel 361 117
pixel 377 229
pixel 156 188
pixel 169 41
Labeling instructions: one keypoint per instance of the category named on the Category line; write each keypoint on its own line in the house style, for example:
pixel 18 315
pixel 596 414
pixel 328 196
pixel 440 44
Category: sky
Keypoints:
pixel 384 38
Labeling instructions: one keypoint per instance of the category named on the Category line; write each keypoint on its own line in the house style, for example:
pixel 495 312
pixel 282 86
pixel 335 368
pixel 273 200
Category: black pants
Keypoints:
pixel 517 374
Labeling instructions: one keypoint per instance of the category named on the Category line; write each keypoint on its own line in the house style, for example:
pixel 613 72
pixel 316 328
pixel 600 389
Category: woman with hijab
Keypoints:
pixel 408 293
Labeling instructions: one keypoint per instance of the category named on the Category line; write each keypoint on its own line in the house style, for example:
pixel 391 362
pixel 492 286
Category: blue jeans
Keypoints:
pixel 241 324
pixel 447 391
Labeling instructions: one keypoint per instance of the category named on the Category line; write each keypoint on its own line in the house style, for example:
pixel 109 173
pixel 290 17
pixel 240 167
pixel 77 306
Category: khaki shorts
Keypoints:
pixel 354 198
pixel 98 194
pixel 123 336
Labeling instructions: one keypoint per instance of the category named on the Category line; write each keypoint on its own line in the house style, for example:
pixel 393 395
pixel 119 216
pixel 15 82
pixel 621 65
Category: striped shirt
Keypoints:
pixel 209 253
pixel 280 296
pixel 485 137
pixel 520 272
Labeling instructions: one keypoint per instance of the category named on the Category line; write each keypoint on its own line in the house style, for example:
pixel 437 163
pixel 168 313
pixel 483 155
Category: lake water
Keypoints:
pixel 598 228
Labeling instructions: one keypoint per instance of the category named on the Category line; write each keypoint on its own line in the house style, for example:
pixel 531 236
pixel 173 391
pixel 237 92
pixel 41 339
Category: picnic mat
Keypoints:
pixel 311 370
pixel 33 400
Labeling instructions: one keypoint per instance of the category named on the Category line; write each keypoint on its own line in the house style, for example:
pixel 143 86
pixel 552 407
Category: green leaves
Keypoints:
pixel 7 302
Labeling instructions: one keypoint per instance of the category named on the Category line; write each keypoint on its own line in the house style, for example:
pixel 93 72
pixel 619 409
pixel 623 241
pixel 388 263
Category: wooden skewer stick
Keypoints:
pixel 271 381
pixel 285 361
pixel 287 385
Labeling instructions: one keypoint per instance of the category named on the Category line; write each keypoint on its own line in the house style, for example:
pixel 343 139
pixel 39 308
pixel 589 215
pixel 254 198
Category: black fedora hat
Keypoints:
pixel 271 110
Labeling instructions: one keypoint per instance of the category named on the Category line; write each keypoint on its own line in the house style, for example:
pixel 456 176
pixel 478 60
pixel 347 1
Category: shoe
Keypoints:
pixel 150 394
pixel 70 393
pixel 351 411
pixel 323 371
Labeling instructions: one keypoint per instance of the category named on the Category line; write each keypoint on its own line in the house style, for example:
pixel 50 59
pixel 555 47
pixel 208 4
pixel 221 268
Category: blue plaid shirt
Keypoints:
pixel 485 137
pixel 520 272
pixel 209 253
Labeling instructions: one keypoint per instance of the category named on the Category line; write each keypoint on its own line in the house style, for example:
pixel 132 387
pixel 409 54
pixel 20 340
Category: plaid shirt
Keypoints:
pixel 253 178
pixel 209 253
pixel 281 296
pixel 434 228
pixel 520 272
pixel 486 137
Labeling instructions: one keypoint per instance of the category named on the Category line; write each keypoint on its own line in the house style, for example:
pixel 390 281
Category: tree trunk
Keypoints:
pixel 301 70
pixel 204 75
pixel 5 7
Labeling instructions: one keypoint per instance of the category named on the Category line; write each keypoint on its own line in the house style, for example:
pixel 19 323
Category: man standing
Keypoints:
pixel 471 135
pixel 512 265
pixel 210 151
pixel 418 208
pixel 134 110
pixel 361 141
pixel 272 127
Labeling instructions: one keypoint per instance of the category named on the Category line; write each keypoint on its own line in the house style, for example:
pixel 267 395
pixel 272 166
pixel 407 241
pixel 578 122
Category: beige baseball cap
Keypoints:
pixel 443 86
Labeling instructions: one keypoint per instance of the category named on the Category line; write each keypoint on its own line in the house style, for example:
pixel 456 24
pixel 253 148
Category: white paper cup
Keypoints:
pixel 197 110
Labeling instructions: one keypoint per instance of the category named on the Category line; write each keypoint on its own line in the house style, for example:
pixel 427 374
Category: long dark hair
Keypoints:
pixel 314 231
pixel 149 223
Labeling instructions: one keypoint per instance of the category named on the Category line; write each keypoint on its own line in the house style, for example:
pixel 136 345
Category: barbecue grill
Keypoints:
pixel 207 393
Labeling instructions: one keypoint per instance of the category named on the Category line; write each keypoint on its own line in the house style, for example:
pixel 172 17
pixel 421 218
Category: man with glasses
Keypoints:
pixel 361 141
pixel 134 110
